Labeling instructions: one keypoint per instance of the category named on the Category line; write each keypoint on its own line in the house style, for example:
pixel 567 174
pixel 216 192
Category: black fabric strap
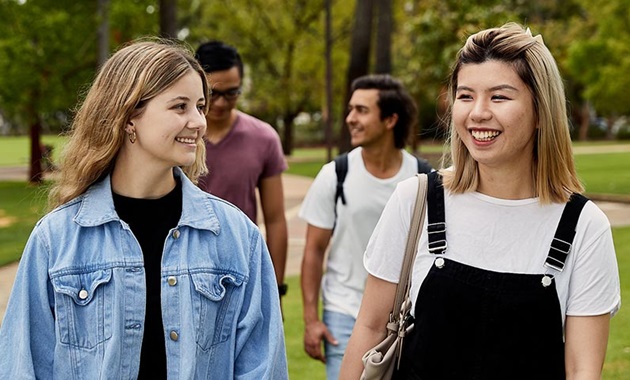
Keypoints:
pixel 423 165
pixel 436 227
pixel 341 169
pixel 563 239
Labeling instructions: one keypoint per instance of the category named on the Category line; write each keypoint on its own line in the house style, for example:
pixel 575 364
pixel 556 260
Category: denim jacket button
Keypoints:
pixel 176 234
pixel 174 335
pixel 83 294
pixel 172 280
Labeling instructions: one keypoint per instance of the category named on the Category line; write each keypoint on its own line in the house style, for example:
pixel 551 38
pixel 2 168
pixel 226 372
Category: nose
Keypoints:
pixel 220 101
pixel 351 117
pixel 197 121
pixel 480 111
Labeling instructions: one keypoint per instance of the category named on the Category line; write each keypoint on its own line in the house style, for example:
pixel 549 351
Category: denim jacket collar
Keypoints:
pixel 97 206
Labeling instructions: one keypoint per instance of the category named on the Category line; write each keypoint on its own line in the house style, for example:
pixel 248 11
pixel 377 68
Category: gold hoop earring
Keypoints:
pixel 132 137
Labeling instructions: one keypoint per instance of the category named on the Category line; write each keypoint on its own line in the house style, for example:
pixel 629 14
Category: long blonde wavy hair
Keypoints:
pixel 553 171
pixel 127 81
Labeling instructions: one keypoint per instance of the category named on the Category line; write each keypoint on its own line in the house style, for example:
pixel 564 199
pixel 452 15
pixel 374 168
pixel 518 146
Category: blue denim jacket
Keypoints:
pixel 77 308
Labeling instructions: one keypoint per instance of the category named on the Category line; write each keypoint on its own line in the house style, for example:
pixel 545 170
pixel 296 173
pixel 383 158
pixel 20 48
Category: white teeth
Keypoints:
pixel 185 140
pixel 484 135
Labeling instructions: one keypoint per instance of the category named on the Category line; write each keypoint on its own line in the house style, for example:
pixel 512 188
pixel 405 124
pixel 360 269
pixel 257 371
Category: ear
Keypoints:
pixel 129 128
pixel 391 121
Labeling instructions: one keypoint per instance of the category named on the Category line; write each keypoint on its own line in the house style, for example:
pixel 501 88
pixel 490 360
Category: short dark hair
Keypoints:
pixel 393 98
pixel 218 56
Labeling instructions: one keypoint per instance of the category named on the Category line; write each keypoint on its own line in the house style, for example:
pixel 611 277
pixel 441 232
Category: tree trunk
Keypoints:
pixel 35 172
pixel 168 18
pixel 384 27
pixel 609 127
pixel 287 142
pixel 584 122
pixel 103 31
pixel 359 58
pixel 328 119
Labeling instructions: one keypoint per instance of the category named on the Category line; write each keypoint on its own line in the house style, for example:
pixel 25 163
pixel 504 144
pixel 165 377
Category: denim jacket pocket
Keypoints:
pixel 84 307
pixel 215 306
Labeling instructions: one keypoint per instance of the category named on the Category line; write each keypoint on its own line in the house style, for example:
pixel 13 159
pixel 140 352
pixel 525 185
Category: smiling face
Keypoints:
pixel 170 126
pixel 493 113
pixel 364 119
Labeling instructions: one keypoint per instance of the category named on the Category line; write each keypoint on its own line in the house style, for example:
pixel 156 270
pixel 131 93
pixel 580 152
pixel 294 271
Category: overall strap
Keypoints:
pixel 436 226
pixel 563 239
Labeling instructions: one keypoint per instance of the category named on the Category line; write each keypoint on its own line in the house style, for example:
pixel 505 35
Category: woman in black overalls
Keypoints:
pixel 510 147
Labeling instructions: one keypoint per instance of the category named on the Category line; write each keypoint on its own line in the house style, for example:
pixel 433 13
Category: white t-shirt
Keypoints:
pixel 504 236
pixel 344 280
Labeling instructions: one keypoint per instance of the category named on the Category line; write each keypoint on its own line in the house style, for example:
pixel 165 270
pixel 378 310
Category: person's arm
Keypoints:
pixel 260 349
pixel 369 329
pixel 272 203
pixel 315 331
pixel 585 346
pixel 27 334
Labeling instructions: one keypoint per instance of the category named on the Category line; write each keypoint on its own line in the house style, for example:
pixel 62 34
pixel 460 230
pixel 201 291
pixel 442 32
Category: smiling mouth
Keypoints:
pixel 484 135
pixel 186 140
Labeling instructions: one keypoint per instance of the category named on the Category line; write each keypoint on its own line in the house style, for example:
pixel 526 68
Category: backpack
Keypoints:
pixel 341 168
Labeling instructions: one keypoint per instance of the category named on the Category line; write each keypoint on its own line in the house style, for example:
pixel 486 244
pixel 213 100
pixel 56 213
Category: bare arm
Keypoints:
pixel 369 329
pixel 315 331
pixel 585 347
pixel 272 203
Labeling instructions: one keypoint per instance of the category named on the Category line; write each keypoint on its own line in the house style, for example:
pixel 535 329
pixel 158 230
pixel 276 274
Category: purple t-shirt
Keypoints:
pixel 250 152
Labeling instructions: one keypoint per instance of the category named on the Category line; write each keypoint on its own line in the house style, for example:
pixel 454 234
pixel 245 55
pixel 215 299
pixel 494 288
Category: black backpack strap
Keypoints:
pixel 341 168
pixel 563 239
pixel 436 225
pixel 424 166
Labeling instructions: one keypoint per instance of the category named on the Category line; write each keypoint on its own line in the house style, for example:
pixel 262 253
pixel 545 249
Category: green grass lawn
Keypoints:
pixel 617 365
pixel 15 150
pixel 21 205
pixel 300 364
pixel 607 173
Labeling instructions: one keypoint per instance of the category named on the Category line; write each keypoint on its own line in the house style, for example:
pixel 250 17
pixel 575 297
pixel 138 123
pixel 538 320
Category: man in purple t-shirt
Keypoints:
pixel 242 152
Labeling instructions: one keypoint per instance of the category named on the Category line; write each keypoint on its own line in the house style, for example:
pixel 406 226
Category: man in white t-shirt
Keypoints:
pixel 380 116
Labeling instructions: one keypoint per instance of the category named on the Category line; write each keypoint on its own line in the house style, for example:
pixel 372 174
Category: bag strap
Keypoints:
pixel 417 220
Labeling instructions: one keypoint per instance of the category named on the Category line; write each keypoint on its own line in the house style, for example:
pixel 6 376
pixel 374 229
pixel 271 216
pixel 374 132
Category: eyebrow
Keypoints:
pixel 184 98
pixel 236 88
pixel 495 88
pixel 363 106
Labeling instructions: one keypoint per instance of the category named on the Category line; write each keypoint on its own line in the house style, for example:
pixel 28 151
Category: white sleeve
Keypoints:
pixel 594 284
pixel 385 250
pixel 318 206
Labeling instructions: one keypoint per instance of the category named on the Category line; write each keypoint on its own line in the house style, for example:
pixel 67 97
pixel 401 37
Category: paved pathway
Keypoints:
pixel 295 188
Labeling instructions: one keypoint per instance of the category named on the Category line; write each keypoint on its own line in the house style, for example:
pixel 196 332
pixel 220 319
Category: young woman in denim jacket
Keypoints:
pixel 136 272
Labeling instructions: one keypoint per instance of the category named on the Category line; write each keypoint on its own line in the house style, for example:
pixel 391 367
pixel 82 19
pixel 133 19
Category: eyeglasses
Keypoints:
pixel 230 94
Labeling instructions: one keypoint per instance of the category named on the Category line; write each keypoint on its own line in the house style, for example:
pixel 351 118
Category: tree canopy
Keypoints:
pixel 48 50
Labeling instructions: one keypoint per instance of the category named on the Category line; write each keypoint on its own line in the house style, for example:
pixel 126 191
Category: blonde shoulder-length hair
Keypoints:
pixel 553 171
pixel 130 78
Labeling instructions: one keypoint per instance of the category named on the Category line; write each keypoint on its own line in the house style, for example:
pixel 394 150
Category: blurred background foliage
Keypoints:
pixel 49 53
